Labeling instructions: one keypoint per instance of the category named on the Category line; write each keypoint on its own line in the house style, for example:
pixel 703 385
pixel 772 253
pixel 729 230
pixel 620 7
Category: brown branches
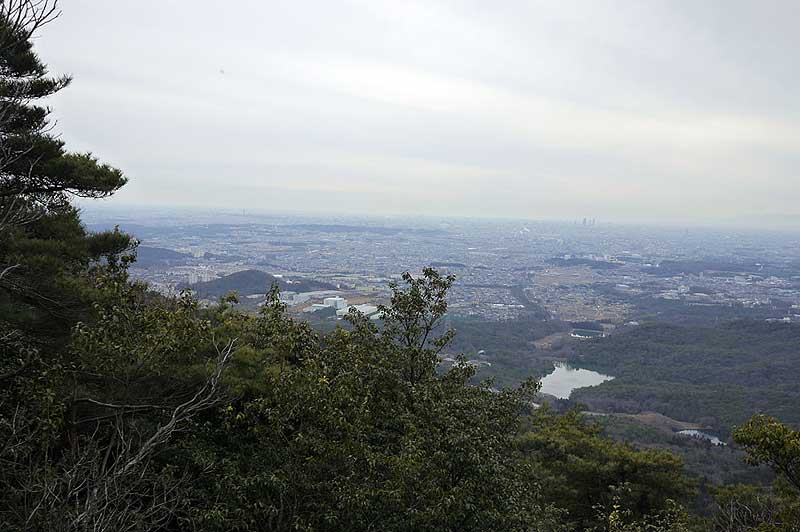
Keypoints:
pixel 206 397
pixel 23 18
pixel 24 363
pixel 746 512
pixel 110 483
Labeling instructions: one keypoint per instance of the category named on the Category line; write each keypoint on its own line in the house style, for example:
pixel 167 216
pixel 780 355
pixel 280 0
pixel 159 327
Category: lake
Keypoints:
pixel 565 378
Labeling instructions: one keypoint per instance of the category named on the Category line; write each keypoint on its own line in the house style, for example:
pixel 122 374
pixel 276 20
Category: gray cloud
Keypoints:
pixel 655 111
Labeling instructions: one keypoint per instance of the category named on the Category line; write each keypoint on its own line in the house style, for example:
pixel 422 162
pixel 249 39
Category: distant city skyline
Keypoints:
pixel 678 112
pixel 126 213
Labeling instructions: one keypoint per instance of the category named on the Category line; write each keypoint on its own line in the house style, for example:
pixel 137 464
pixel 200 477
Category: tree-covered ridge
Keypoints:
pixel 717 376
pixel 121 409
pixel 248 282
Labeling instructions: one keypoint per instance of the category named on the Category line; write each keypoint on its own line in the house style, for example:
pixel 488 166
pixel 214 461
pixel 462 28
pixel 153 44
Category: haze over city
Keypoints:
pixel 653 112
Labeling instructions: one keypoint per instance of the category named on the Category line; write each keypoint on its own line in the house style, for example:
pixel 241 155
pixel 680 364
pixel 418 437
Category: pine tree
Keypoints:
pixel 46 257
pixel 42 241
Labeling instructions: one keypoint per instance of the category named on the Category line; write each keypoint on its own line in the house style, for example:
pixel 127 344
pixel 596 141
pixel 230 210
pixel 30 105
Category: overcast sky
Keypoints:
pixel 649 111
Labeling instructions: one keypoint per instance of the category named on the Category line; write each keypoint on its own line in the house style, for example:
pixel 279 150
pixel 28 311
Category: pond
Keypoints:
pixel 565 378
pixel 697 434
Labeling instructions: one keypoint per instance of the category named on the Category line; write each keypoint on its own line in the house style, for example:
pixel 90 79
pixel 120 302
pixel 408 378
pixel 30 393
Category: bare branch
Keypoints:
pixel 107 500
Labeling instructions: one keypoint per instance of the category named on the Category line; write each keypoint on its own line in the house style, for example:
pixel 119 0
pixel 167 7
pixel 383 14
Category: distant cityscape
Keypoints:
pixel 584 271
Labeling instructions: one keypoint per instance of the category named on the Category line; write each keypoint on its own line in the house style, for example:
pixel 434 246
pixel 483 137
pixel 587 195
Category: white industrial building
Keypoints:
pixel 336 302
pixel 315 307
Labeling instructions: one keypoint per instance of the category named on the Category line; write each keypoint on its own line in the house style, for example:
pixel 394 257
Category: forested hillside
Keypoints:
pixel 248 282
pixel 125 410
pixel 717 376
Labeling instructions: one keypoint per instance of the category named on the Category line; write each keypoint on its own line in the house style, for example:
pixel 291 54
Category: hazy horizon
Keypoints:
pixel 671 113
pixel 104 209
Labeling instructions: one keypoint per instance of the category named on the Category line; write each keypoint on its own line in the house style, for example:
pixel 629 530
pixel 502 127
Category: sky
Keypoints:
pixel 642 111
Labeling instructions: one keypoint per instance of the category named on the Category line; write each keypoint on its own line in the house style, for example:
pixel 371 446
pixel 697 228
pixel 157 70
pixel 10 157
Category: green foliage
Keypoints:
pixel 580 470
pixel 748 508
pixel 357 431
pixel 769 441
pixel 80 436
pixel 416 311
pixel 618 518
pixel 134 345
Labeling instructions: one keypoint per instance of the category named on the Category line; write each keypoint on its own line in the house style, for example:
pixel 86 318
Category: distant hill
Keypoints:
pixel 248 282
pixel 147 257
